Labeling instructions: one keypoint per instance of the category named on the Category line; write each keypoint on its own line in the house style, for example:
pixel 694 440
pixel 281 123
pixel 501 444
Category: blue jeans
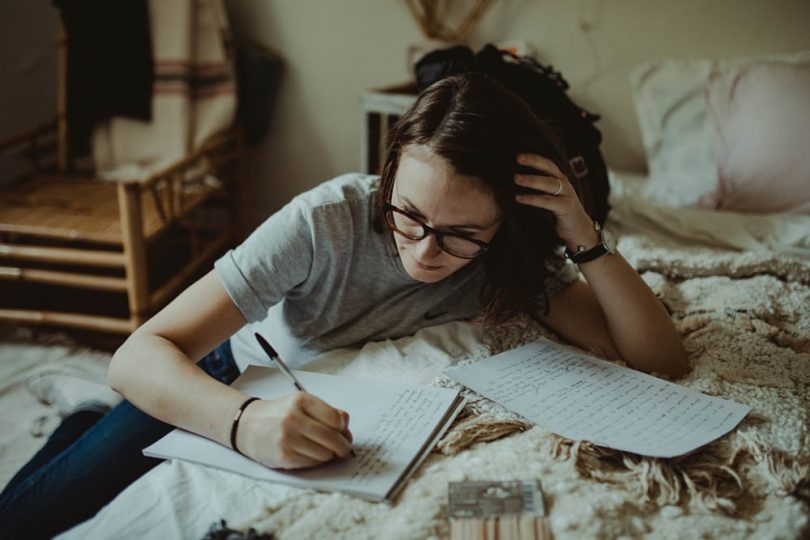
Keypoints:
pixel 88 460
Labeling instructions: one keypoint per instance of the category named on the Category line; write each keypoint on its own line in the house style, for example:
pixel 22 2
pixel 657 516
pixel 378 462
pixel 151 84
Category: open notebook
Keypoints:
pixel 394 427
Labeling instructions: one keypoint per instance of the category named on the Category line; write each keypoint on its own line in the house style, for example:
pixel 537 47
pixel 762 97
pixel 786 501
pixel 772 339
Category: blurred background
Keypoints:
pixel 335 51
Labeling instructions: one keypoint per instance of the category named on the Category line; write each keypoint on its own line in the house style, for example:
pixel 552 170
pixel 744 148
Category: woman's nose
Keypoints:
pixel 428 248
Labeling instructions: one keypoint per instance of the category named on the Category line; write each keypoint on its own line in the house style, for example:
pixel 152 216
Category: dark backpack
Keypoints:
pixel 544 90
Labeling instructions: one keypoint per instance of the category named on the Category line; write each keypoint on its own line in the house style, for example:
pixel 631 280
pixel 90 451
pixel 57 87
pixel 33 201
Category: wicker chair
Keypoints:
pixel 76 251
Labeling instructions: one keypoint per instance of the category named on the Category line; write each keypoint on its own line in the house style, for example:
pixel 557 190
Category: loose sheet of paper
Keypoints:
pixel 394 426
pixel 583 398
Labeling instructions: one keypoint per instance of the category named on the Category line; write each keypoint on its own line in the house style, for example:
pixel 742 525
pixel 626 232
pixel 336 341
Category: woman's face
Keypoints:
pixel 427 187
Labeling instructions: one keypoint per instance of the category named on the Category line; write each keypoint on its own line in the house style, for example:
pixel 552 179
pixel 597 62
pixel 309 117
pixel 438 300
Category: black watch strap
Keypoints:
pixel 586 255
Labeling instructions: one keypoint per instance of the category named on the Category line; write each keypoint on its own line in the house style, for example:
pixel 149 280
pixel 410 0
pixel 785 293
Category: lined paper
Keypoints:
pixel 584 398
pixel 394 428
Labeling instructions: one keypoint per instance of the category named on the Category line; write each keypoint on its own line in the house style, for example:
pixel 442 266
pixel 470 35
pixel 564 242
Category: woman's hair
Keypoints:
pixel 479 126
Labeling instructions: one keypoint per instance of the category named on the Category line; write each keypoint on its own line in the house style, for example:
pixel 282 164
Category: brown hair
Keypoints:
pixel 478 126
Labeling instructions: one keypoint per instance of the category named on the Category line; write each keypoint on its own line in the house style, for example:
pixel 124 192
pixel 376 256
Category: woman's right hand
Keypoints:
pixel 293 432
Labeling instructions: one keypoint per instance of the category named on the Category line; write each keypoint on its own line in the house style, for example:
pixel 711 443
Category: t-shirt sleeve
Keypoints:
pixel 271 262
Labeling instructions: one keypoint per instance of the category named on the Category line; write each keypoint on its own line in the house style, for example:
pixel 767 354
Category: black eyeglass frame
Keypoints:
pixel 389 208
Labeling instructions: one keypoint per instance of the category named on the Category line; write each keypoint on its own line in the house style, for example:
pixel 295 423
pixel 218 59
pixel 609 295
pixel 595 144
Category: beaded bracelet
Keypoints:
pixel 236 418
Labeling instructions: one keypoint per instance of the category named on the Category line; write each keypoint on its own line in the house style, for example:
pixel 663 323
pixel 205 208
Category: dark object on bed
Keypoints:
pixel 221 531
pixel 544 89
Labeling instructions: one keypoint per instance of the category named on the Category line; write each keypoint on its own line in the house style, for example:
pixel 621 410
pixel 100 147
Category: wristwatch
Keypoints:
pixel 605 246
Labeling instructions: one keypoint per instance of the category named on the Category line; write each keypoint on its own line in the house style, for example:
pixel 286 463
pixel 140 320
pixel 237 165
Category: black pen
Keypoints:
pixel 271 352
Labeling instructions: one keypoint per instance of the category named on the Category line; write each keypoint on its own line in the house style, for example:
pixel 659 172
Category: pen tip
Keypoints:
pixel 263 342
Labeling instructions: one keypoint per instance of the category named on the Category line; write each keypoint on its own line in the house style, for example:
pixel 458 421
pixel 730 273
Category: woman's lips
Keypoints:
pixel 424 266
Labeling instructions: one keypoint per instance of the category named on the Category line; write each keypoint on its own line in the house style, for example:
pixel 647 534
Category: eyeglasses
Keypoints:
pixel 409 226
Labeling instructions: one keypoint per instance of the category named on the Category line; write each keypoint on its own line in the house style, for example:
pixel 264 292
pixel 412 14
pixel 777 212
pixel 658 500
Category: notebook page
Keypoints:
pixel 583 398
pixel 391 424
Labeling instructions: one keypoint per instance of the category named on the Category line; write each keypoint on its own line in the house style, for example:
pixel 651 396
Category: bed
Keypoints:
pixel 737 285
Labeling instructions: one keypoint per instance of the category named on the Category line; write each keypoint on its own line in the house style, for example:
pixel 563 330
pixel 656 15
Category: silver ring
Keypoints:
pixel 559 188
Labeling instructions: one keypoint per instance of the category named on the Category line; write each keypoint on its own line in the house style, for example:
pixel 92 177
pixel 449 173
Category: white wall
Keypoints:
pixel 334 49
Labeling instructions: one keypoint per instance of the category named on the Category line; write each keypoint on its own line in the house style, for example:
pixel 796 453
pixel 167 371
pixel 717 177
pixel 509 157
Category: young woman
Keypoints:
pixel 468 220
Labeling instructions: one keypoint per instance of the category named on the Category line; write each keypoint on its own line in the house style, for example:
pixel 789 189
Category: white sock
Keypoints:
pixel 70 390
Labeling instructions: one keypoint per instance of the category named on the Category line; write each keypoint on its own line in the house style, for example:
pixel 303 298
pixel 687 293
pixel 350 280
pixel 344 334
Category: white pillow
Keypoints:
pixel 761 116
pixel 669 97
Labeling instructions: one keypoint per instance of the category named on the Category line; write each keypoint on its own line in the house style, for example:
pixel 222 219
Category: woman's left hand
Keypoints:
pixel 614 311
pixel 555 193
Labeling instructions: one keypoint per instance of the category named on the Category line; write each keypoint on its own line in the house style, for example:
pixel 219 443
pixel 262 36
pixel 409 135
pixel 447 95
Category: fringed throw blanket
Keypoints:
pixel 745 320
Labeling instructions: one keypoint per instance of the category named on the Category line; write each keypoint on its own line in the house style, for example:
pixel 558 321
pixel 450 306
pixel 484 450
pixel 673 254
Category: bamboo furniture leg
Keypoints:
pixel 129 204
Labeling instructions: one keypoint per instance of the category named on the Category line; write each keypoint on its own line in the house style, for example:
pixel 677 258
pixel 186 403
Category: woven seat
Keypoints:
pixel 71 209
pixel 56 206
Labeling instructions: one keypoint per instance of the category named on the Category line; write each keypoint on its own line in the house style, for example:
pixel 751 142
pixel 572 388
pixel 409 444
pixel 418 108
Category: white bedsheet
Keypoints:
pixel 633 212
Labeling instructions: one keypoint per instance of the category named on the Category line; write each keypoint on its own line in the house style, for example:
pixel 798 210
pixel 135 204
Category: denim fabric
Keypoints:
pixel 86 462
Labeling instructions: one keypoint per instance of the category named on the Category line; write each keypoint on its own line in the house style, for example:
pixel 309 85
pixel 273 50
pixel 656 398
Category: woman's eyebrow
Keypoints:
pixel 412 208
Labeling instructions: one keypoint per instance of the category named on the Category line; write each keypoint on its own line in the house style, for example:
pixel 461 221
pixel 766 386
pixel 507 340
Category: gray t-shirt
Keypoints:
pixel 316 276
